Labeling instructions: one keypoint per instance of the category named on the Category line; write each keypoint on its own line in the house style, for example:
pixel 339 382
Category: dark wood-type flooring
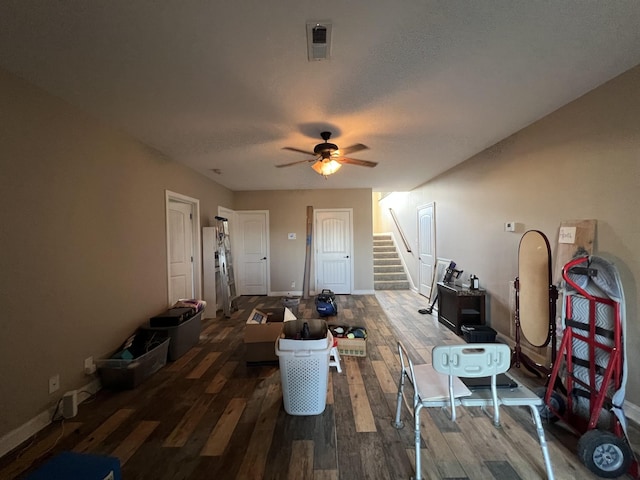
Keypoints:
pixel 210 416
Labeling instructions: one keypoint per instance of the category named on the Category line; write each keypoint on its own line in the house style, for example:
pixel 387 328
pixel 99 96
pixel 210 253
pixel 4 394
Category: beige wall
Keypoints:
pixel 581 162
pixel 83 242
pixel 288 214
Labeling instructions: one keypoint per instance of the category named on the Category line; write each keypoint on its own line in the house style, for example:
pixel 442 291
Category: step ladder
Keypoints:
pixel 225 262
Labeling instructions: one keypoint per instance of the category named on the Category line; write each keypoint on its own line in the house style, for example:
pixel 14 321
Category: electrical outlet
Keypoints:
pixel 54 383
pixel 89 366
pixel 293 284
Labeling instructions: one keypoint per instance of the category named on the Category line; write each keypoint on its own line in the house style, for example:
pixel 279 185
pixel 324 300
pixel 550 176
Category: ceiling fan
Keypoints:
pixel 328 158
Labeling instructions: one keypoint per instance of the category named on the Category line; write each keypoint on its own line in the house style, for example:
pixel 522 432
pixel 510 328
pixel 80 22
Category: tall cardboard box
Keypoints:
pixel 262 329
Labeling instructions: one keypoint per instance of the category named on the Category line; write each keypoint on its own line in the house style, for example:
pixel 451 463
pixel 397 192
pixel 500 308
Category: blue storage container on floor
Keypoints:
pixel 79 466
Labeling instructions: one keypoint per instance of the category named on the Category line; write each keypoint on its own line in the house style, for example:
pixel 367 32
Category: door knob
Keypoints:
pixel 263 258
pixel 347 256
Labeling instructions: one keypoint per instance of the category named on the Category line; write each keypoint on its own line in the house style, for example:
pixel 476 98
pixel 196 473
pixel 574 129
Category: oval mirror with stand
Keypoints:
pixel 535 300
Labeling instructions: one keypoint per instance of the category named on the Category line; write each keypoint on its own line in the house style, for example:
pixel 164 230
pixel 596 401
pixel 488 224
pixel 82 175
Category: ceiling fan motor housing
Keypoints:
pixel 325 149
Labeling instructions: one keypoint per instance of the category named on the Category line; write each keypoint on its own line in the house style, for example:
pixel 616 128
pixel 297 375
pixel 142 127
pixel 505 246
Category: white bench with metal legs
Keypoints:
pixel 438 385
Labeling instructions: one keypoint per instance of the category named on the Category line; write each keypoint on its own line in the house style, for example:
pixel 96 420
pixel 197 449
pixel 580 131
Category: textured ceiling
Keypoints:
pixel 226 85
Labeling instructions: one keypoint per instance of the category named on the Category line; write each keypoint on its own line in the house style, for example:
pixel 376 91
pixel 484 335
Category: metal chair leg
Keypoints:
pixel 397 423
pixel 543 441
pixel 416 426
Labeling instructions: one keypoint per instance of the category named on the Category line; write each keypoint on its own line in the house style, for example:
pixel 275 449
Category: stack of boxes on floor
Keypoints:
pixel 265 326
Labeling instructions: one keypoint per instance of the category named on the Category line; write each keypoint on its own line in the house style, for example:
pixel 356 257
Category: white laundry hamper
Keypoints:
pixel 304 372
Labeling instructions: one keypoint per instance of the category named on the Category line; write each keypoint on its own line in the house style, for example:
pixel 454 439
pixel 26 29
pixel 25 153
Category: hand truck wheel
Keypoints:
pixel 605 454
pixel 556 402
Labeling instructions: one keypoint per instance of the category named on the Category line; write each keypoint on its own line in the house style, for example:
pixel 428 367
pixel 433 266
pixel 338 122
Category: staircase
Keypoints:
pixel 388 272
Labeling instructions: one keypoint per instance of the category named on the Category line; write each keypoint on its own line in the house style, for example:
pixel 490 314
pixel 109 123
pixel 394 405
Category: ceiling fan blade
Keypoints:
pixel 298 150
pixel 354 148
pixel 295 163
pixel 355 161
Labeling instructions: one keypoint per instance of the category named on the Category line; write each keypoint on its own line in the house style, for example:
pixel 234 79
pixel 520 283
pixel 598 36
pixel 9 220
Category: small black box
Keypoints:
pixel 171 318
pixel 478 334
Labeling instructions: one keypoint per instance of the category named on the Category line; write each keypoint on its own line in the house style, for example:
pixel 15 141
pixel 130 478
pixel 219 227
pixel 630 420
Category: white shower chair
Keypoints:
pixel 438 385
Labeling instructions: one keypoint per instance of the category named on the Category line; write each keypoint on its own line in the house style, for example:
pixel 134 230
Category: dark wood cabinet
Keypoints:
pixel 459 306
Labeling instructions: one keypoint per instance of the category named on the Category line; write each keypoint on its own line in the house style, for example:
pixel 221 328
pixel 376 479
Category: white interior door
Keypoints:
pixel 333 234
pixel 184 268
pixel 180 250
pixel 210 271
pixel 426 249
pixel 252 260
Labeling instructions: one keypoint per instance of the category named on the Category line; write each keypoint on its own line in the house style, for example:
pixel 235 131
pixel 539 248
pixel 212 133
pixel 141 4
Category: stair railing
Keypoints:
pixel 404 239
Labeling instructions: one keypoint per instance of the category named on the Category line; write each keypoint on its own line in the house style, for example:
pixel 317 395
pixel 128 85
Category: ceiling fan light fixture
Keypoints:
pixel 328 157
pixel 326 167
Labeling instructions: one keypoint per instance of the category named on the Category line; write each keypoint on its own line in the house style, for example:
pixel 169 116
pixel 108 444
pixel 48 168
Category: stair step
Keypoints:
pixel 384 249
pixel 396 268
pixel 385 255
pixel 391 285
pixel 385 243
pixel 386 261
pixel 392 276
pixel 388 271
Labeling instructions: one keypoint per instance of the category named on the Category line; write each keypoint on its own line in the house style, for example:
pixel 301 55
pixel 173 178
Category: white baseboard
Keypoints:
pixel 14 438
pixel 313 293
pixel 289 293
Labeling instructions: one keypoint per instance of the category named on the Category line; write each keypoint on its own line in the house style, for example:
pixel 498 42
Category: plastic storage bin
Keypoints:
pixel 181 337
pixel 292 303
pixel 304 372
pixel 123 374
pixel 478 334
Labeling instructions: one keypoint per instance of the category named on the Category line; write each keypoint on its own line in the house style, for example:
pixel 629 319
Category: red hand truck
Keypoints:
pixel 591 364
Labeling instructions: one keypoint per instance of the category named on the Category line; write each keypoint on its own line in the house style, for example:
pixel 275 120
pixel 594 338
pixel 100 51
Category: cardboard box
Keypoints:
pixel 356 347
pixel 262 329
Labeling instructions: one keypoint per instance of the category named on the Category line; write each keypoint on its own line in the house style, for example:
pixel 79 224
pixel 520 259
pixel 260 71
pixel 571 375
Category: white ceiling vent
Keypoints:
pixel 318 40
